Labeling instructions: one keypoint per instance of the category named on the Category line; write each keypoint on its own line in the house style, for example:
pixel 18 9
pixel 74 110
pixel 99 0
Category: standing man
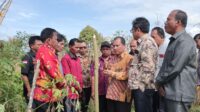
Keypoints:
pixel 27 69
pixel 143 67
pixel 85 64
pixel 118 93
pixel 49 72
pixel 103 79
pixel 177 77
pixel 158 35
pixel 71 65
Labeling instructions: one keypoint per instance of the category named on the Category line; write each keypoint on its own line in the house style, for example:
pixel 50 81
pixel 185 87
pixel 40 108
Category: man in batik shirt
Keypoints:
pixel 143 67
pixel 118 93
pixel 85 64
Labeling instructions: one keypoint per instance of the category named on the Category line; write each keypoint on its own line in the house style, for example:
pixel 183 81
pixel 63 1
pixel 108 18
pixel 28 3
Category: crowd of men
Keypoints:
pixel 125 78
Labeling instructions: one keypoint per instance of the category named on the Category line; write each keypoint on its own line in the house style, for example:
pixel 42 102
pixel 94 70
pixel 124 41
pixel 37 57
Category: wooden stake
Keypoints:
pixel 96 76
pixel 36 72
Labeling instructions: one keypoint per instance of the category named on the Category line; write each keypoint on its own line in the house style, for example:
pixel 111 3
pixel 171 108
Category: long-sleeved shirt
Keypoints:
pixel 71 65
pixel 103 79
pixel 118 78
pixel 143 67
pixel 49 70
pixel 178 73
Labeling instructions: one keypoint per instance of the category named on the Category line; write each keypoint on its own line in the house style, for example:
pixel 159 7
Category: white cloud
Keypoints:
pixel 27 15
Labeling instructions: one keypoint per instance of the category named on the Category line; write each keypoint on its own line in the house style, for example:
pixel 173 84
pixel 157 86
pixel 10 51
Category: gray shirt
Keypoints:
pixel 178 73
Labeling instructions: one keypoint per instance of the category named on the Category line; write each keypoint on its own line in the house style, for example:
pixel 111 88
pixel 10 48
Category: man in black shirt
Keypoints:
pixel 28 61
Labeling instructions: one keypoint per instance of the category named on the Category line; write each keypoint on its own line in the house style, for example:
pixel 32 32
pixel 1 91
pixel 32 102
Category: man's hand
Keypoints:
pixel 34 61
pixel 29 93
pixel 161 91
pixel 92 95
pixel 109 73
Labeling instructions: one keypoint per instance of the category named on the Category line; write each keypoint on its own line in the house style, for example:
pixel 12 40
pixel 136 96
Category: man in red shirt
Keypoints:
pixel 49 72
pixel 71 65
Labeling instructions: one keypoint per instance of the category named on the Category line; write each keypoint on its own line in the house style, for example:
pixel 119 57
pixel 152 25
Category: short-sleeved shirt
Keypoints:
pixel 28 68
pixel 49 71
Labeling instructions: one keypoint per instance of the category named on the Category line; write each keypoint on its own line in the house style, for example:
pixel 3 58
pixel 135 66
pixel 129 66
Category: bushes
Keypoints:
pixel 11 99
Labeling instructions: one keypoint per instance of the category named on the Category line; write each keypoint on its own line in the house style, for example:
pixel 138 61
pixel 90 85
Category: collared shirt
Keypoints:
pixel 161 55
pixel 28 69
pixel 178 73
pixel 143 67
pixel 117 83
pixel 71 65
pixel 85 64
pixel 49 71
pixel 103 79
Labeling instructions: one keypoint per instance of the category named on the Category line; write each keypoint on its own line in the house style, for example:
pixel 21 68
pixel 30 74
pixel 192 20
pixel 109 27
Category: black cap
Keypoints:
pixel 105 44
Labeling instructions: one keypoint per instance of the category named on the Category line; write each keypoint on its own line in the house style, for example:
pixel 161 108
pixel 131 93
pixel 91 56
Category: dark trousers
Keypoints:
pixel 40 106
pixel 156 101
pixel 177 106
pixel 143 100
pixel 117 106
pixel 102 103
pixel 85 99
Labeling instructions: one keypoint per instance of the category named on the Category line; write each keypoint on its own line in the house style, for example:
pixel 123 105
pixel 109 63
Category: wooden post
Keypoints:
pixel 96 76
pixel 36 72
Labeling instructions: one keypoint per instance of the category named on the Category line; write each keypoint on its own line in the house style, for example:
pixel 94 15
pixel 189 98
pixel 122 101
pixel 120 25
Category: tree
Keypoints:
pixel 87 34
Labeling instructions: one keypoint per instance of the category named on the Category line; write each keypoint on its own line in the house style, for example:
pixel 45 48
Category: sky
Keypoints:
pixel 69 17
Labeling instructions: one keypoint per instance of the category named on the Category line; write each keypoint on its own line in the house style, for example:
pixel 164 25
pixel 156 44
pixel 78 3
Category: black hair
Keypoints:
pixel 142 24
pixel 121 39
pixel 81 41
pixel 105 44
pixel 32 40
pixel 160 32
pixel 197 36
pixel 47 33
pixel 181 16
pixel 73 41
pixel 61 38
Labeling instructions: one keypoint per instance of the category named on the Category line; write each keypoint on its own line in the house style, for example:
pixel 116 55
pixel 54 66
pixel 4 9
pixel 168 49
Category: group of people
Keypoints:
pixel 125 78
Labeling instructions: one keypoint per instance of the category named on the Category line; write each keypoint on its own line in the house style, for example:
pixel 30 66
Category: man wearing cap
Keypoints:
pixel 106 51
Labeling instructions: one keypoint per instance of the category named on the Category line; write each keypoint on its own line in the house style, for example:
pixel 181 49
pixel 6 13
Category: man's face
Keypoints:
pixel 171 23
pixel 75 48
pixel 83 48
pixel 135 33
pixel 106 51
pixel 156 37
pixel 197 43
pixel 60 46
pixel 133 45
pixel 53 40
pixel 36 45
pixel 118 47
